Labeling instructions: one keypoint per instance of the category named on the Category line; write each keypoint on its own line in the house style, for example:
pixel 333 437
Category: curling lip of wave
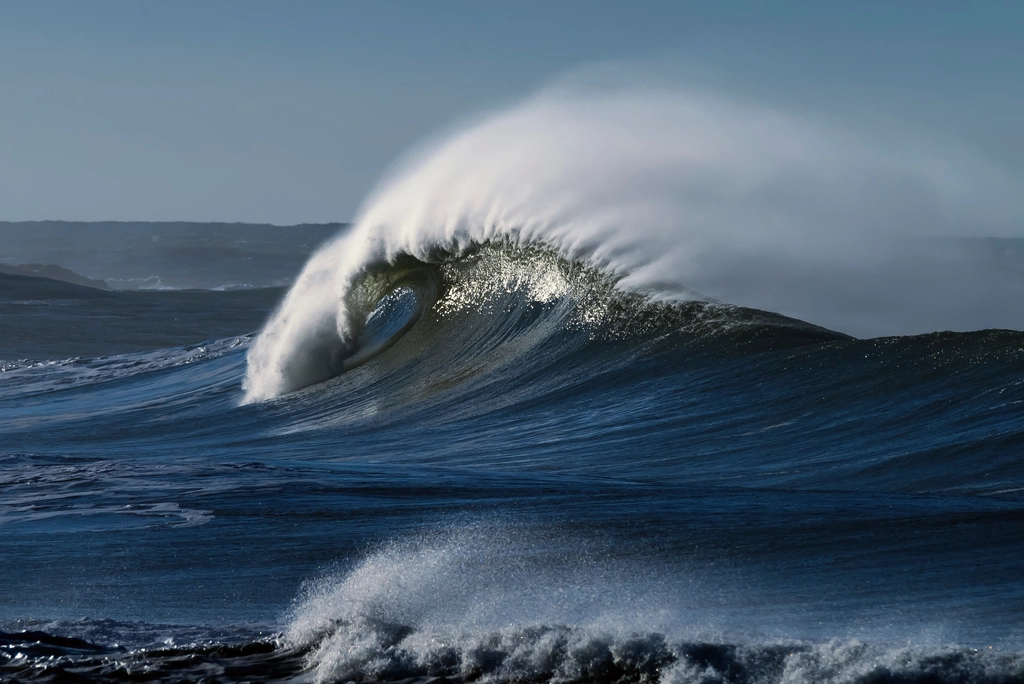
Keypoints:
pixel 653 187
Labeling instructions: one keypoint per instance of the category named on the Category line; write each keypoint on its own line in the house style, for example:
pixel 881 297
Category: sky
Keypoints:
pixel 289 112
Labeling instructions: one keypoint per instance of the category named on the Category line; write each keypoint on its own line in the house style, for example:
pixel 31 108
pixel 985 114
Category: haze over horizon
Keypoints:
pixel 266 113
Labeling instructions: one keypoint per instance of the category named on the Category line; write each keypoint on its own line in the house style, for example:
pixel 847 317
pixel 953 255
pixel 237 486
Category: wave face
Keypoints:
pixel 526 301
pixel 676 196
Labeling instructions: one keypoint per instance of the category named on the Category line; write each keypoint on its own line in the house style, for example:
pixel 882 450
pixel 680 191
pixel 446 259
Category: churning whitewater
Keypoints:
pixel 586 395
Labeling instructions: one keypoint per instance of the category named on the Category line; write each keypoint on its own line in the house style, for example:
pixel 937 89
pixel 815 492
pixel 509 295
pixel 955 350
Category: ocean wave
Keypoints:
pixel 481 603
pixel 532 654
pixel 670 193
pixel 364 653
pixel 497 294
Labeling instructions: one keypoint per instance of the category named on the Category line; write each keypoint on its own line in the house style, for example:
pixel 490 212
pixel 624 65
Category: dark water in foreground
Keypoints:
pixel 522 483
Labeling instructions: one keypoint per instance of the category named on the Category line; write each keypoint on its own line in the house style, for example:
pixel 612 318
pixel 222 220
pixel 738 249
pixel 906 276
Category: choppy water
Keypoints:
pixel 521 473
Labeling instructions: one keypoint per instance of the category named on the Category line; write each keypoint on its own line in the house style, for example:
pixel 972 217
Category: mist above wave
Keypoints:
pixel 674 192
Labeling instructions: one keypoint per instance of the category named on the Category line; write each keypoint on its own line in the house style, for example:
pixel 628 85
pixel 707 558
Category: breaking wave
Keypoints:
pixel 512 303
pixel 456 605
pixel 560 654
pixel 488 603
pixel 672 195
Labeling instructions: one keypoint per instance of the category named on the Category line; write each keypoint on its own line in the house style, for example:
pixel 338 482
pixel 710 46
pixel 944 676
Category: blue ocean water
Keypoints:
pixel 515 471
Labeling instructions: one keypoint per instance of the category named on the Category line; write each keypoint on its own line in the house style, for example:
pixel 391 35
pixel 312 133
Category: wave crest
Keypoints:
pixel 667 192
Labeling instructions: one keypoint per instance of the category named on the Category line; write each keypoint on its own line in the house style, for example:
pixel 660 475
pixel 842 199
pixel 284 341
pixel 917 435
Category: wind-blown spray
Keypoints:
pixel 670 192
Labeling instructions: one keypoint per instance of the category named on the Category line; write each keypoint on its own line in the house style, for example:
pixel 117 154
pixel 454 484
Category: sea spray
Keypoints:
pixel 488 601
pixel 674 192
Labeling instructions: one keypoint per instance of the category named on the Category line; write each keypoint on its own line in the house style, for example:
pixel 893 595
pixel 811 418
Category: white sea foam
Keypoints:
pixel 673 191
pixel 492 604
pixel 471 601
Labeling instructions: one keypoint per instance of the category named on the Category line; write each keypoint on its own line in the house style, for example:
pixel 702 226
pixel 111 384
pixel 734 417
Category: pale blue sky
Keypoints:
pixel 287 112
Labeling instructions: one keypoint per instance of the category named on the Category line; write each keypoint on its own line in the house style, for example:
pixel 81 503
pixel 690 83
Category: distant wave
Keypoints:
pixel 674 195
